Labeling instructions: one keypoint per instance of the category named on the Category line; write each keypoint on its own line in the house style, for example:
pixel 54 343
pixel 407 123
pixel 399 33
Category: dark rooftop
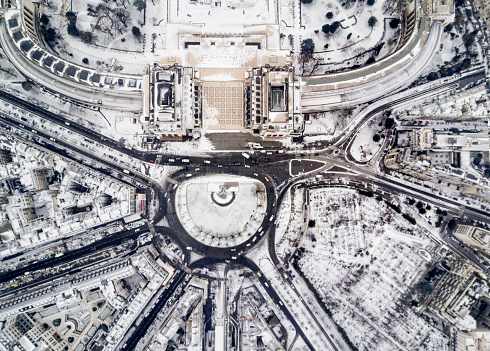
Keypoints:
pixel 18 35
pixel 37 54
pixel 59 66
pixel 13 22
pixel 71 71
pixel 26 45
pixel 48 61
pixel 451 141
pixel 95 78
pixel 84 74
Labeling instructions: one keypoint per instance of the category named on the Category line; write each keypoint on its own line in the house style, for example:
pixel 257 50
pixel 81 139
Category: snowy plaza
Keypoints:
pixel 221 211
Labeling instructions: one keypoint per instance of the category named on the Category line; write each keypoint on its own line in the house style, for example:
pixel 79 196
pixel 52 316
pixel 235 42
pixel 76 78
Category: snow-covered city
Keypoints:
pixel 197 175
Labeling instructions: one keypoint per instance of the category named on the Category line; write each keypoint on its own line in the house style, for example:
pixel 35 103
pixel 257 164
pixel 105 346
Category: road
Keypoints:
pixel 84 93
pixel 269 167
pixel 141 329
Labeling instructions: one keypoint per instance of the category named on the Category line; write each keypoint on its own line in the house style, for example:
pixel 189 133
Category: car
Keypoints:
pixel 152 161
pixel 134 120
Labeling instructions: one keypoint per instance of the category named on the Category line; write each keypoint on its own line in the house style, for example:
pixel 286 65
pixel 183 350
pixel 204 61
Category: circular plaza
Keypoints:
pixel 221 211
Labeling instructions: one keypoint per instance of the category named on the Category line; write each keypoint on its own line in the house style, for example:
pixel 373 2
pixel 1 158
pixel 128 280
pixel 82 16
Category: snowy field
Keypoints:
pixel 361 257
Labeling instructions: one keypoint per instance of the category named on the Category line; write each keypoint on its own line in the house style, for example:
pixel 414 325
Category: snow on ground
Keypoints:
pixel 452 46
pixel 7 71
pixel 362 257
pixel 330 124
pixel 283 215
pixel 109 43
pixel 224 13
pixel 105 19
pixel 223 57
pixel 195 146
pixel 353 38
pixel 291 218
pixel 326 124
pixel 467 105
pixel 221 221
pixel 364 147
pixel 447 50
pixel 221 211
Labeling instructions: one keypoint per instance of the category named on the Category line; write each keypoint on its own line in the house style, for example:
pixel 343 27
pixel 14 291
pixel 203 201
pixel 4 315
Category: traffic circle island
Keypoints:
pixel 221 211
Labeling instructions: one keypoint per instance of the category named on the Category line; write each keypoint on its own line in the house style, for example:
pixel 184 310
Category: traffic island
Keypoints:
pixel 221 211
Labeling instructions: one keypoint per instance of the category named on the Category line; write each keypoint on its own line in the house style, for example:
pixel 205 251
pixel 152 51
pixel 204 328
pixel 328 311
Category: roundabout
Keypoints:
pixel 221 211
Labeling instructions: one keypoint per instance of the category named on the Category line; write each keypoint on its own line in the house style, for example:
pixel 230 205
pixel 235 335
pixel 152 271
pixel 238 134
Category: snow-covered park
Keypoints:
pixel 354 40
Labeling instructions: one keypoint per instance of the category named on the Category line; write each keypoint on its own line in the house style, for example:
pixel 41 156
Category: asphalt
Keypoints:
pixel 270 167
pixel 83 93
pixel 142 328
